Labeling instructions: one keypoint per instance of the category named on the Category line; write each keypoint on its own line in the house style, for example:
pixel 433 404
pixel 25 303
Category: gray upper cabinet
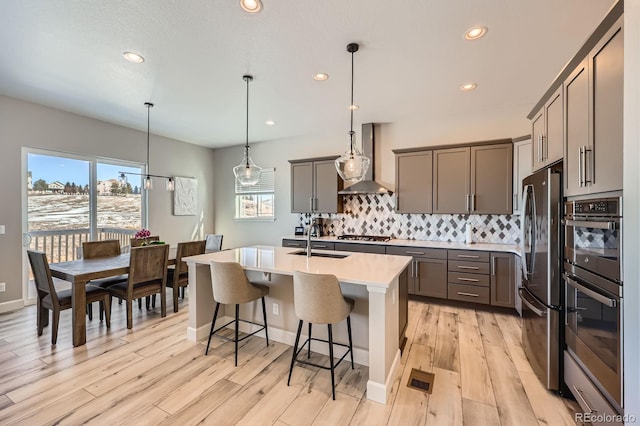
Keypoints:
pixel 451 171
pixel 521 169
pixel 491 179
pixel 547 132
pixel 314 186
pixel 593 121
pixel 414 176
pixel 475 179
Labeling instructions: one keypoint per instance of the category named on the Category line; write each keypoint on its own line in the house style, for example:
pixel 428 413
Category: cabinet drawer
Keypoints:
pixel 469 267
pixel 470 279
pixel 468 293
pixel 469 255
pixel 322 245
pixel 294 243
pixel 417 252
pixel 362 248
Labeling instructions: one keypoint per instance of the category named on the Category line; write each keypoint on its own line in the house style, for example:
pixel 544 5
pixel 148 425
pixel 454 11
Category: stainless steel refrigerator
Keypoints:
pixel 541 291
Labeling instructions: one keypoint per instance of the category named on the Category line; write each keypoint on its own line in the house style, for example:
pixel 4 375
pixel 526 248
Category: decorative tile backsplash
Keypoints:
pixel 373 214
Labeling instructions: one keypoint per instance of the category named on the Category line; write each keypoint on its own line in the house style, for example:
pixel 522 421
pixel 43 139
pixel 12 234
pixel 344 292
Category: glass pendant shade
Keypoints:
pixel 352 165
pixel 247 173
pixel 148 184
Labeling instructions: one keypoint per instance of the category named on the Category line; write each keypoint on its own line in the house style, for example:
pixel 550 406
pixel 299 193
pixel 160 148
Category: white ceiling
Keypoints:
pixel 68 54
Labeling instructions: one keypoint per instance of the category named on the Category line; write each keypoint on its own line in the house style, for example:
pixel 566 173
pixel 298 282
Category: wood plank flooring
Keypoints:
pixel 153 375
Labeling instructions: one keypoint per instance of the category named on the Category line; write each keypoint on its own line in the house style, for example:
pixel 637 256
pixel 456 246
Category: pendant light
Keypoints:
pixel 148 184
pixel 247 173
pixel 352 165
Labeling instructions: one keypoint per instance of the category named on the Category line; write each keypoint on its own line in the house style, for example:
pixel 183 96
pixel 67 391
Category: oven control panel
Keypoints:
pixel 595 207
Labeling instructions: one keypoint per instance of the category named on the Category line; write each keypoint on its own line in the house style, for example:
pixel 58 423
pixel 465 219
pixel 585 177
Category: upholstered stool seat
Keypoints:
pixel 231 287
pixel 317 299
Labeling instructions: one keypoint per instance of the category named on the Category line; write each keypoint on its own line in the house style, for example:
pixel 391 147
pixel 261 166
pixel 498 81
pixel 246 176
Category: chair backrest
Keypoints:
pixel 148 263
pixel 105 248
pixel 317 298
pixel 214 242
pixel 42 275
pixel 186 249
pixel 230 284
pixel 137 242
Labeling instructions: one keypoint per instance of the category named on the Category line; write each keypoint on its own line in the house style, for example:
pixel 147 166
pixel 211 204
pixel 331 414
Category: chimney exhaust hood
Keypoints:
pixel 367 185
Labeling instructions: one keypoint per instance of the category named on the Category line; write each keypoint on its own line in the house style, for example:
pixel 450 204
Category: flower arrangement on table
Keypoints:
pixel 144 235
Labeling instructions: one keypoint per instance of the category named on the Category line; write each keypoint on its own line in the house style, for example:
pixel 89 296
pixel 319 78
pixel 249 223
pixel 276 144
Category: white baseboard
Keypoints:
pixel 360 356
pixel 12 305
pixel 379 392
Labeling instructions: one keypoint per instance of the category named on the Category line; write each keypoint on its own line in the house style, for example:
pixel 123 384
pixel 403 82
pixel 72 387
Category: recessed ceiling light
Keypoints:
pixel 475 33
pixel 321 76
pixel 251 6
pixel 468 87
pixel 269 122
pixel 133 57
pixel 354 107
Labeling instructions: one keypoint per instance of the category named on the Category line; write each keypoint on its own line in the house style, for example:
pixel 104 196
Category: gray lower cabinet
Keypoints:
pixel 361 248
pixel 294 243
pixel 314 186
pixel 428 270
pixel 503 275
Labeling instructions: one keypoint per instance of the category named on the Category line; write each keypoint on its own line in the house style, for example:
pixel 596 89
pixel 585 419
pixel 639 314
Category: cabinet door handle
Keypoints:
pixel 493 266
pixel 586 165
pixel 469 256
pixel 539 148
pixel 293 245
pixel 415 252
pixel 311 204
pixel 466 202
pixel 319 246
pixel 580 167
pixel 473 280
pixel 464 293
pixel 417 270
pixel 468 267
pixel 515 201
pixel 473 202
pixel 545 148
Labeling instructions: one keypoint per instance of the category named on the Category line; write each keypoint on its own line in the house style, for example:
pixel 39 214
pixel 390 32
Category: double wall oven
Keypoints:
pixel 593 278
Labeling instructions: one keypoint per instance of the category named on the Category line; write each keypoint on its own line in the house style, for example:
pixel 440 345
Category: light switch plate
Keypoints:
pixel 1 229
pixel 3 287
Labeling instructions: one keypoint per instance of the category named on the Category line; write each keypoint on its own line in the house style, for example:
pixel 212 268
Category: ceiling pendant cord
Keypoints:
pixel 247 79
pixel 147 182
pixel 353 49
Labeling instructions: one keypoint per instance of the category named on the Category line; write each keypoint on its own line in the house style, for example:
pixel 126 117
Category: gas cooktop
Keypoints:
pixel 380 238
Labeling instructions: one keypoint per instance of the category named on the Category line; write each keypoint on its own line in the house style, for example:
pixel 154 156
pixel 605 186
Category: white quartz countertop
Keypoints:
pixel 507 248
pixel 369 269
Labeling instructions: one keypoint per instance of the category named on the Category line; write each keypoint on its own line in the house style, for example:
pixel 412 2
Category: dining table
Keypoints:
pixel 79 272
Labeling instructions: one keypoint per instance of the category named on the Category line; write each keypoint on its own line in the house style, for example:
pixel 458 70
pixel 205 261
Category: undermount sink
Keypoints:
pixel 316 254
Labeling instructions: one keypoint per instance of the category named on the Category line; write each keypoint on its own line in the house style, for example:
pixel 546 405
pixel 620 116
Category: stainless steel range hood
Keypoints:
pixel 367 185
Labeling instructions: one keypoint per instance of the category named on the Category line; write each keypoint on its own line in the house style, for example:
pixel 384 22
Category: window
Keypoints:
pixel 256 202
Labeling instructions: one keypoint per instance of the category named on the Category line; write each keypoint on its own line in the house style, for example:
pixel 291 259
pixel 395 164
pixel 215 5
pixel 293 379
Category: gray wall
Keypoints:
pixel 24 124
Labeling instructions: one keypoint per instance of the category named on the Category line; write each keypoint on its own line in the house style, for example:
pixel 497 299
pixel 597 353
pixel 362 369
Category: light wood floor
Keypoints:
pixel 153 375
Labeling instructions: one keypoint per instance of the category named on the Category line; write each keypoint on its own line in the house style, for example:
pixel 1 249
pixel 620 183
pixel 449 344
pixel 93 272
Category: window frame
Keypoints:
pixel 264 187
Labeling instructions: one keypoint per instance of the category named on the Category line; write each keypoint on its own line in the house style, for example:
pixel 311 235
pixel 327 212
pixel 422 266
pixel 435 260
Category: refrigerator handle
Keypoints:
pixel 537 311
pixel 527 269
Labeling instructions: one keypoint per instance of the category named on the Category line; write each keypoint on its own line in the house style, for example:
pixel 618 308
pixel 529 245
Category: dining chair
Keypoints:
pixel 53 300
pixel 178 276
pixel 318 299
pixel 231 287
pixel 147 276
pixel 214 242
pixel 138 242
pixel 103 248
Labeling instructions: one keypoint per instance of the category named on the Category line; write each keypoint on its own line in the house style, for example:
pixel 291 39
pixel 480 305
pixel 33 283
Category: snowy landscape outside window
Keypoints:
pixel 256 202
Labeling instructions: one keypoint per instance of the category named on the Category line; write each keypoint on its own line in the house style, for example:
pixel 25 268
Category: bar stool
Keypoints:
pixel 231 287
pixel 317 299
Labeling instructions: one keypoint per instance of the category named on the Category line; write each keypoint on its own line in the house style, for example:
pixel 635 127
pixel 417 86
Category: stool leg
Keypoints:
pixel 333 380
pixel 350 342
pixel 213 325
pixel 309 350
pixel 236 339
pixel 90 311
pixel 264 314
pixel 295 349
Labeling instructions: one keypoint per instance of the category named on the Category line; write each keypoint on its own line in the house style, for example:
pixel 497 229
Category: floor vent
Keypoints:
pixel 421 380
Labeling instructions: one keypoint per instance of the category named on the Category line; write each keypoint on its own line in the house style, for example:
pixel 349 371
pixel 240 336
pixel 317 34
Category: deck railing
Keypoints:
pixel 62 245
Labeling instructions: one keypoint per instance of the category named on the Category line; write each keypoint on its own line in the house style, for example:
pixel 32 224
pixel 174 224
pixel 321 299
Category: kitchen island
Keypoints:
pixel 372 280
